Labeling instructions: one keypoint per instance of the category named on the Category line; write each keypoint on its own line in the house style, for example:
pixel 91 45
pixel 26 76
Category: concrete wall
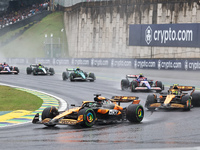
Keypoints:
pixel 101 29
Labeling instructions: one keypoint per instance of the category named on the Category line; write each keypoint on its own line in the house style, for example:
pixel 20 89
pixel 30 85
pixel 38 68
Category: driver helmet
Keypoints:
pixel 99 98
pixel 77 68
pixel 175 86
pixel 141 75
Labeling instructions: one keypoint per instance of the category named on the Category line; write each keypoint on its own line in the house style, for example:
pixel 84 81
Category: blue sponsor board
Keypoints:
pixel 122 63
pixel 80 61
pixel 145 63
pixel 167 64
pixel 191 65
pixel 165 35
pixel 62 61
pixel 43 61
pixel 158 64
pixel 100 62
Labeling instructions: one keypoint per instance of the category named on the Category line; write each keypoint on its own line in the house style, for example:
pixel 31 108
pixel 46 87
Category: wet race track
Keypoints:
pixel 160 129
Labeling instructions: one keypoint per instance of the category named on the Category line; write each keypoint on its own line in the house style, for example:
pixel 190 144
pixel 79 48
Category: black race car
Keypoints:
pixel 6 69
pixel 100 110
pixel 39 70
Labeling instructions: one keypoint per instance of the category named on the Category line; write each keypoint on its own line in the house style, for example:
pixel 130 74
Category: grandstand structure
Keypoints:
pixel 3 5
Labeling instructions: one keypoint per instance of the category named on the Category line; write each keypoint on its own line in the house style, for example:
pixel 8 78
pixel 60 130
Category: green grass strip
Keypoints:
pixel 12 99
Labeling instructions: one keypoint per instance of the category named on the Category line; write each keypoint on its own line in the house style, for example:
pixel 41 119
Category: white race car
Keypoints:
pixel 137 83
pixel 6 69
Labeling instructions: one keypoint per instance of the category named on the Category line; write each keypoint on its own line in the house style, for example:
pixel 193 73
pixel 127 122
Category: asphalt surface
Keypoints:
pixel 160 129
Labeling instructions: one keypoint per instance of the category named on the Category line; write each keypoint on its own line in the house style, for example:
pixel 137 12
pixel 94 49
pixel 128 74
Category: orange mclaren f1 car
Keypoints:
pixel 174 98
pixel 100 110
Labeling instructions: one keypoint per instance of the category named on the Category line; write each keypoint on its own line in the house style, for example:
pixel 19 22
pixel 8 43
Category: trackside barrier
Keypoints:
pixel 158 64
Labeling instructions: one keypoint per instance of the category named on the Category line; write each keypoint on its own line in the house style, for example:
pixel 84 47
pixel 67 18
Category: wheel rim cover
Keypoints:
pixel 140 113
pixel 90 117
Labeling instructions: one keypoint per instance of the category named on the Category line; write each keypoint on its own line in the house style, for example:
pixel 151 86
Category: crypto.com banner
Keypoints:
pixel 170 35
pixel 158 64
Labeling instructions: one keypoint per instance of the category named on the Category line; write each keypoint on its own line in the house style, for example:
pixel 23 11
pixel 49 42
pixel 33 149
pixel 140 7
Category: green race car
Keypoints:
pixel 76 74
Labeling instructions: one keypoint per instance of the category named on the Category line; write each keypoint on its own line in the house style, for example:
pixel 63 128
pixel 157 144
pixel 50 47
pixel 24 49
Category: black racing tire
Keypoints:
pixel 89 117
pixel 16 69
pixel 35 71
pixel 65 75
pixel 160 85
pixel 49 112
pixel 91 75
pixel 72 75
pixel 124 84
pixel 1 68
pixel 133 86
pixel 196 99
pixel 186 101
pixel 28 70
pixel 150 100
pixel 135 113
pixel 52 72
pixel 85 73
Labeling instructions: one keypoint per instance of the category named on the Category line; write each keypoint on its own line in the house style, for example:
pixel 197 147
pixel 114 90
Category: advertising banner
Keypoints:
pixel 145 63
pixel 167 64
pixel 80 61
pixel 158 64
pixel 191 65
pixel 165 35
pixel 122 63
pixel 43 61
pixel 61 61
pixel 100 62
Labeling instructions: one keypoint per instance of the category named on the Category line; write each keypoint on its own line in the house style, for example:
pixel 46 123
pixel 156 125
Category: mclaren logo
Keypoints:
pixel 148 35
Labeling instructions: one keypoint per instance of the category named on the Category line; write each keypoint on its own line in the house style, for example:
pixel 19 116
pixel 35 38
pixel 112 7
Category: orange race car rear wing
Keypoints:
pixel 184 88
pixel 125 99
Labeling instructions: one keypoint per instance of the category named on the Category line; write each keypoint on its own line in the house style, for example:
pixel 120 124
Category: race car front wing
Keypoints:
pixel 172 105
pixel 146 88
pixel 49 121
